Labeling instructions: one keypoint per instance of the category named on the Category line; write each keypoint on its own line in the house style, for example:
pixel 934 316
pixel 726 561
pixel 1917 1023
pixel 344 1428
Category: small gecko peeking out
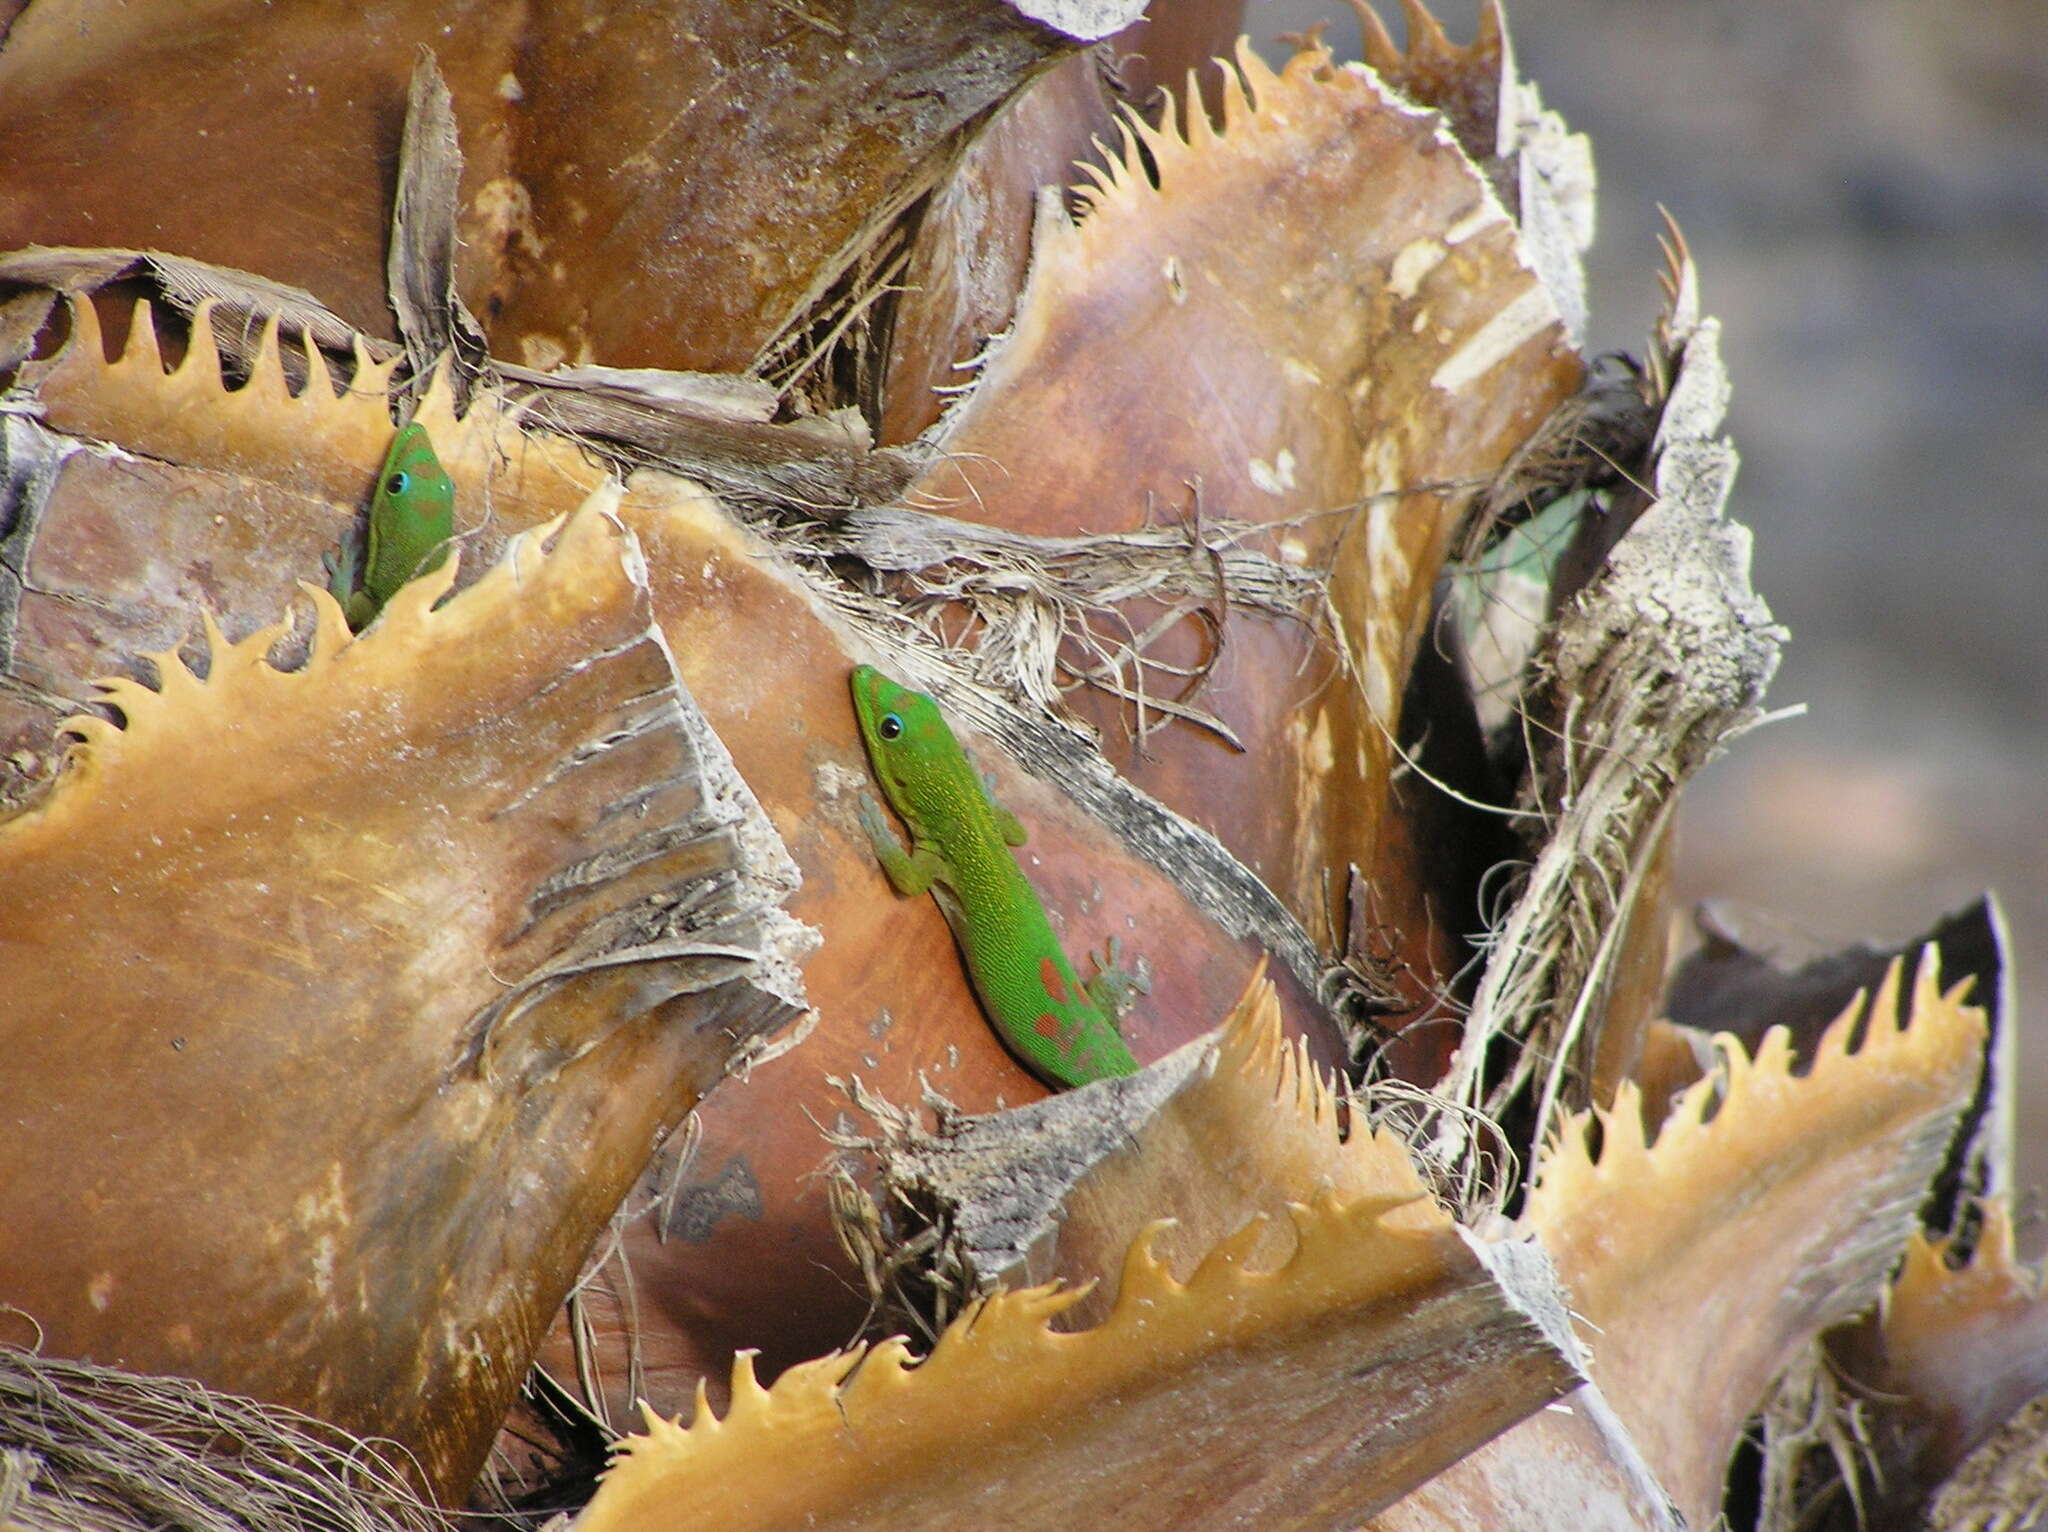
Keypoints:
pixel 960 841
pixel 412 517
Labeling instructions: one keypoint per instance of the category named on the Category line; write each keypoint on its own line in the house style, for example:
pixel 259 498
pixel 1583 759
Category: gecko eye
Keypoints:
pixel 890 727
pixel 398 483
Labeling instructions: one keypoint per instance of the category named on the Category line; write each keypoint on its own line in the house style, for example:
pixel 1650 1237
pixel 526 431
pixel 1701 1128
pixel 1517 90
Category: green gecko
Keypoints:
pixel 412 516
pixel 960 839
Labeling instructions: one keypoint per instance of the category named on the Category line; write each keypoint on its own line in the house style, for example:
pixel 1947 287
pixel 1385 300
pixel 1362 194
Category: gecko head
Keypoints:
pixel 415 487
pixel 906 736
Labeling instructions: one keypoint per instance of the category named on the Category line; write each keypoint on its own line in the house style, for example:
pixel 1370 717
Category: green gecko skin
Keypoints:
pixel 412 517
pixel 960 852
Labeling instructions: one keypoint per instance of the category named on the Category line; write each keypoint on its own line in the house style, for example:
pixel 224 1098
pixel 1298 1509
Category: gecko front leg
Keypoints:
pixel 910 872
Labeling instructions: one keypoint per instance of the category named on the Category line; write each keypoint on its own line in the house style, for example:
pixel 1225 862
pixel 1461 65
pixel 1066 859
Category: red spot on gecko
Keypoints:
pixel 1047 1026
pixel 1049 976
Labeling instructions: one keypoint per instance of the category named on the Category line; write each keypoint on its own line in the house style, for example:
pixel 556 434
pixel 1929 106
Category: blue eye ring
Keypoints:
pixel 398 483
pixel 889 726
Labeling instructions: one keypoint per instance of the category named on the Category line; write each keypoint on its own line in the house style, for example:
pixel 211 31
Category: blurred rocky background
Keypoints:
pixel 1865 186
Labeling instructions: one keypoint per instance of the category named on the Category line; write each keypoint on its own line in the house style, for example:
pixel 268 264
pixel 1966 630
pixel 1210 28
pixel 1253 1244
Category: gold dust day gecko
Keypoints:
pixel 412 517
pixel 960 842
